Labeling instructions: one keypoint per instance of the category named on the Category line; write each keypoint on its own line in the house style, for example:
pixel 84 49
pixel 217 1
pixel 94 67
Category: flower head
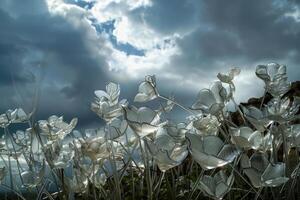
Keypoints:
pixel 211 101
pixel 216 186
pixel 275 78
pixel 147 90
pixel 210 151
pixel 262 172
pixel 106 104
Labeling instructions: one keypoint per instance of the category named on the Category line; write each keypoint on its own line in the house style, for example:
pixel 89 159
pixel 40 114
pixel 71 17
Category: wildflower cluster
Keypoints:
pixel 207 153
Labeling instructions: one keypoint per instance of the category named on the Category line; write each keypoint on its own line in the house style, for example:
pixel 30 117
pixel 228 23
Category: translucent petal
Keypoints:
pixel 234 71
pixel 146 92
pixel 141 98
pixel 245 161
pixel 212 145
pixel 256 140
pixel 224 78
pixel 100 93
pixel 221 190
pixel 163 140
pixel 113 90
pixel 262 72
pixel 115 129
pixel 204 100
pixel 177 132
pixel 207 125
pixel 254 176
pixel 259 161
pixel 219 92
pixel 274 175
pixel 208 185
pixel 164 161
pixel 146 115
pixel 228 153
pixel 179 153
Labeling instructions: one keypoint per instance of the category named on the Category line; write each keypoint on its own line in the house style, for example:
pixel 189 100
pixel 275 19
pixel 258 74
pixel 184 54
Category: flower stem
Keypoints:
pixel 177 104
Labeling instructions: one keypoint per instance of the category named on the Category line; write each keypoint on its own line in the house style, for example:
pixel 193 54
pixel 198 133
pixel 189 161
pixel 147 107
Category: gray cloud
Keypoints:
pixel 67 65
pixel 169 17
pixel 238 32
pixel 69 62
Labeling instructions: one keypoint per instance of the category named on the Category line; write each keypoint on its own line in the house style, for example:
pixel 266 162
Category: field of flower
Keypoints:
pixel 252 153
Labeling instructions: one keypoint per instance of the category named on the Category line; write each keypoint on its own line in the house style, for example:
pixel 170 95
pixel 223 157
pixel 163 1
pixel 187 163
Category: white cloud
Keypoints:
pixel 158 48
pixel 295 14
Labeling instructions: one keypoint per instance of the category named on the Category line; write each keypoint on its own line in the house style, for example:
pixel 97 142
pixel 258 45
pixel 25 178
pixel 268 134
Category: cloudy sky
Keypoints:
pixel 66 49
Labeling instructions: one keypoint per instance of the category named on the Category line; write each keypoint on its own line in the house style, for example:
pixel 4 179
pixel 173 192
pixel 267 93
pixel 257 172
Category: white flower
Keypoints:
pixel 147 90
pixel 275 78
pixel 210 151
pixel 246 138
pixel 227 78
pixel 106 104
pixel 143 121
pixel 256 117
pixel 261 172
pixel 55 128
pixel 165 151
pixel 207 125
pixel 211 101
pixel 13 116
pixel 216 186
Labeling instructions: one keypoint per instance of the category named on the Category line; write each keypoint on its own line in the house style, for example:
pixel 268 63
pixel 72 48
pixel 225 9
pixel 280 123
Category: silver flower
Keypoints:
pixel 165 151
pixel 13 116
pixel 256 117
pixel 176 131
pixel 22 138
pixel 96 148
pixel 261 172
pixel 147 90
pixel 275 78
pixel 217 186
pixel 106 104
pixel 282 110
pixel 55 128
pixel 211 100
pixel 227 78
pixel 143 121
pixel 210 151
pixel 246 138
pixel 59 153
pixel 207 125
pixel 115 129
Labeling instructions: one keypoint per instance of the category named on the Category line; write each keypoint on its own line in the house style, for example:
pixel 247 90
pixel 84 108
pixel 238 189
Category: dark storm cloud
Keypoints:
pixel 261 27
pixel 69 72
pixel 66 62
pixel 241 33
